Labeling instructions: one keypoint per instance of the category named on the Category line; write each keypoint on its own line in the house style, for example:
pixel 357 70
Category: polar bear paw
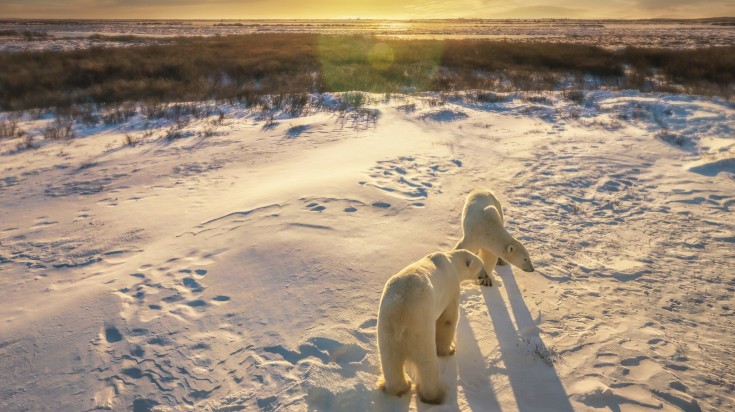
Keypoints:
pixel 434 397
pixel 446 352
pixel 397 390
pixel 486 281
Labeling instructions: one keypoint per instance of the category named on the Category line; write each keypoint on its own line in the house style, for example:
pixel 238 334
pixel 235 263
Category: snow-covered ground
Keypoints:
pixel 614 34
pixel 240 267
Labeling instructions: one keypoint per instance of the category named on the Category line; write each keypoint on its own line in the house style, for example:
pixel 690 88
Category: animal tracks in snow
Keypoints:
pixel 329 204
pixel 180 293
pixel 320 368
pixel 139 347
pixel 411 178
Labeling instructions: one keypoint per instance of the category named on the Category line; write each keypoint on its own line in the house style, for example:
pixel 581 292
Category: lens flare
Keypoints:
pixel 377 65
pixel 381 56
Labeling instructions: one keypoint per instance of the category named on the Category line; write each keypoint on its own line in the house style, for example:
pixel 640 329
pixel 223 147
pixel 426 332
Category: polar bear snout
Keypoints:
pixel 526 264
pixel 528 267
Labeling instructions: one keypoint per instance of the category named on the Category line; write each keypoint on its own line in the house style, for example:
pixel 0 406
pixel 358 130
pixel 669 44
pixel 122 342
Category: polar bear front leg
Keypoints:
pixel 489 260
pixel 446 326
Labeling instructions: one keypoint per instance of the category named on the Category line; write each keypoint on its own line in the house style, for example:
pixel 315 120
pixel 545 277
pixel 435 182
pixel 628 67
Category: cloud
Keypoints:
pixel 542 11
pixel 663 5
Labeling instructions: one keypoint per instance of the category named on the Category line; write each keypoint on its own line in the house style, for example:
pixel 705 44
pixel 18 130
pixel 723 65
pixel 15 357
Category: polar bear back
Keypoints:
pixel 476 203
pixel 407 298
pixel 421 286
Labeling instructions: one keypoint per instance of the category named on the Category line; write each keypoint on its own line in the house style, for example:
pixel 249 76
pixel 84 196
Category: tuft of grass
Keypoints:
pixel 538 99
pixel 87 114
pixel 152 110
pixel 673 138
pixel 576 96
pixel 352 101
pixel 119 114
pixel 549 355
pixel 296 103
pixel 176 130
pixel 270 122
pixel 59 129
pixel 25 144
pixel 407 108
pixel 130 140
pixel 479 96
pixel 87 164
pixel 358 119
pixel 220 120
pixel 9 129
pixel 206 133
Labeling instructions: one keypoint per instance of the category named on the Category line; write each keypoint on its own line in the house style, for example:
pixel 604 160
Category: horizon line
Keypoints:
pixel 366 18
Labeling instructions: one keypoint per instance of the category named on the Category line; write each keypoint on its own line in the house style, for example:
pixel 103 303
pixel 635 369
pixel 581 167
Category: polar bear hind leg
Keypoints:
pixel 446 326
pixel 489 260
pixel 394 380
pixel 428 386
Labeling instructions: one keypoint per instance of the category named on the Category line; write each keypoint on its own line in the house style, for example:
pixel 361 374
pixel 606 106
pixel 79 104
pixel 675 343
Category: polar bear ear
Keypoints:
pixel 510 249
pixel 492 213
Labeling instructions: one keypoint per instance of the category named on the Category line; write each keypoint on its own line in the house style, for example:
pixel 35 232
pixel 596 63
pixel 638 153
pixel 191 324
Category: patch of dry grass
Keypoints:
pixel 245 67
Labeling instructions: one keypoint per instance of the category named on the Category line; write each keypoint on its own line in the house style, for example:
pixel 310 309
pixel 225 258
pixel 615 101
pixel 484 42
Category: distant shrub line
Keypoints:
pixel 25 34
pixel 239 67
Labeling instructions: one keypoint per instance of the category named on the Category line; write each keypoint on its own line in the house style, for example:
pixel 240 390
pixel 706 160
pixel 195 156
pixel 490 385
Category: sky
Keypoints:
pixel 381 9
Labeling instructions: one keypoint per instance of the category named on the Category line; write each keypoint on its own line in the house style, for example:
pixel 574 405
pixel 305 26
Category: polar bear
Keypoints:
pixel 484 234
pixel 417 319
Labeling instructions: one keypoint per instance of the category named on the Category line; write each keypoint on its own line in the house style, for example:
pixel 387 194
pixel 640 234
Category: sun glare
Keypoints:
pixel 381 56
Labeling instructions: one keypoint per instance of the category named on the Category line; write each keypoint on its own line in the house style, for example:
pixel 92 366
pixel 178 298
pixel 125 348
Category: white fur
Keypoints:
pixel 484 234
pixel 417 319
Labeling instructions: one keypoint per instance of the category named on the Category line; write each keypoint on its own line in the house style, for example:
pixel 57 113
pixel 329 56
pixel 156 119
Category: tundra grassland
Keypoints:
pixel 244 66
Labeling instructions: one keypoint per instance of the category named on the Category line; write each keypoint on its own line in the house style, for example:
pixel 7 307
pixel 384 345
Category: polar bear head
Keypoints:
pixel 468 265
pixel 516 254
pixel 496 239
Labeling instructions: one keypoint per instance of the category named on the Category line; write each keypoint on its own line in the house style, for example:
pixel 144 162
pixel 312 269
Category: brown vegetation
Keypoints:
pixel 246 66
pixel 27 35
pixel 60 129
pixel 9 129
